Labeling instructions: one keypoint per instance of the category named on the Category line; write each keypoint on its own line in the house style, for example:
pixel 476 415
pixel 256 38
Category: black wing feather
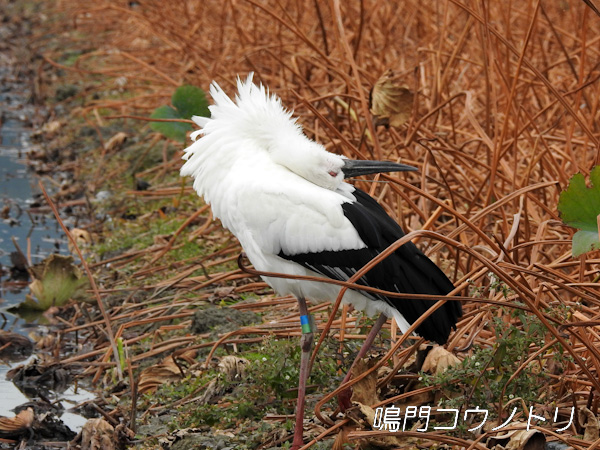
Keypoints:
pixel 407 270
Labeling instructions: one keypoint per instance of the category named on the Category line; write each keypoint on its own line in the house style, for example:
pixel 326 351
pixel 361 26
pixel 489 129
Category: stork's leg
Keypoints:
pixel 306 344
pixel 344 396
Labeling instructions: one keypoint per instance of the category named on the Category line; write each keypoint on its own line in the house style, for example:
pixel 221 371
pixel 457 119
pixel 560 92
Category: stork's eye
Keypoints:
pixel 333 174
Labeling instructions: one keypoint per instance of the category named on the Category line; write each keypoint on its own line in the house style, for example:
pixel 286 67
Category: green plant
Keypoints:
pixel 482 378
pixel 270 382
pixel 187 101
pixel 579 207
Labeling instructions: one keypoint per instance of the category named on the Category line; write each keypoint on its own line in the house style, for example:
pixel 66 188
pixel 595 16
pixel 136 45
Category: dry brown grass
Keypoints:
pixel 506 111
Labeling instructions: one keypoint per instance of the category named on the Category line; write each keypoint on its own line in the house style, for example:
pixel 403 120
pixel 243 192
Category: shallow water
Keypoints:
pixel 37 235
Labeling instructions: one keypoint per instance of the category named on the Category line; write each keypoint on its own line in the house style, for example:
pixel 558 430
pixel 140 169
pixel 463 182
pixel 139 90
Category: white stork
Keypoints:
pixel 284 197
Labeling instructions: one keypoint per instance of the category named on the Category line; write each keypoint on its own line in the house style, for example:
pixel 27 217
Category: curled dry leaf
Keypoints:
pixel 16 425
pixel 116 142
pixel 45 342
pixel 519 439
pixel 51 128
pixel 386 440
pixel 124 435
pixel 5 212
pixel 589 421
pixel 526 440
pixel 189 356
pixel 162 239
pixel 367 412
pixel 221 293
pixel 362 416
pixel 97 434
pixel 152 377
pixel 365 390
pixel 341 439
pixel 82 238
pixel 233 367
pixel 364 394
pixel 438 360
pixel 391 102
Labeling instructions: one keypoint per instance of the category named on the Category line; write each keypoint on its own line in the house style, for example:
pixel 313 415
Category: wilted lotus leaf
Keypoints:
pixel 55 281
pixel 391 102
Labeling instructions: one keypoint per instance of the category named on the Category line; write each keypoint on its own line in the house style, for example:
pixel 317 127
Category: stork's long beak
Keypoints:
pixel 354 168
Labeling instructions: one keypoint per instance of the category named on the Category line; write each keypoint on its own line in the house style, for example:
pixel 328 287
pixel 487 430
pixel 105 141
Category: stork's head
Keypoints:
pixel 259 123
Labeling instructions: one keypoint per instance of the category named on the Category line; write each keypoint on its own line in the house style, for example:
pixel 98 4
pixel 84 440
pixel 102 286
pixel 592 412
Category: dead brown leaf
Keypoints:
pixel 189 356
pixel 519 439
pixel 341 439
pixel 116 142
pixel 152 377
pixel 391 102
pixel 5 212
pixel 51 128
pixel 45 342
pixel 364 394
pixel 162 239
pixel 233 367
pixel 97 434
pixel 589 421
pixel 362 415
pixel 82 238
pixel 221 293
pixel 363 418
pixel 365 391
pixel 526 440
pixel 439 360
